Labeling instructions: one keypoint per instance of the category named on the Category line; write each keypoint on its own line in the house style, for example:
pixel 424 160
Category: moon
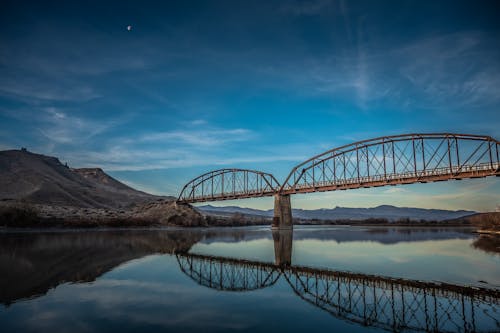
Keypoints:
pixel 129 27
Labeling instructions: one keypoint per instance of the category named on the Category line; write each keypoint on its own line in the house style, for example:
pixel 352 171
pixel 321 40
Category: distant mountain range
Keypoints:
pixel 342 213
pixel 40 179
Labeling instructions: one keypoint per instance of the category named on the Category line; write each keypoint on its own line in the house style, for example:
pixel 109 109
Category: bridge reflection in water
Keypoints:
pixel 389 303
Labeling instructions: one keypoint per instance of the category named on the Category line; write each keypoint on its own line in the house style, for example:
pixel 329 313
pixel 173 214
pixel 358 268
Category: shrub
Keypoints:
pixel 21 215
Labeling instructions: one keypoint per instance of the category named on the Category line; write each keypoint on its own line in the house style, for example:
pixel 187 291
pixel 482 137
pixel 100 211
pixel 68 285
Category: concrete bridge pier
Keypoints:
pixel 283 247
pixel 282 212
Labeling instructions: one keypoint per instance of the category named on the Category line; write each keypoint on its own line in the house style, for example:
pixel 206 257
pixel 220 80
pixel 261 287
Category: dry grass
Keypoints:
pixel 486 221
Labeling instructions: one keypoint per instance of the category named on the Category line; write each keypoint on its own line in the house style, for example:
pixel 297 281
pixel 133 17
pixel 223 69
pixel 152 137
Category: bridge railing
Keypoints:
pixel 226 184
pixel 390 160
pixel 468 171
pixel 396 160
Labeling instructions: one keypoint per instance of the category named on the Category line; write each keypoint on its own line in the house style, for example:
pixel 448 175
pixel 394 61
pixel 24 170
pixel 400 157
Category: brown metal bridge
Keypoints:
pixel 388 160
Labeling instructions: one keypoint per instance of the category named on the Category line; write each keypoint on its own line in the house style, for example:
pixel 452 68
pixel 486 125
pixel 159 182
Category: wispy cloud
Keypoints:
pixel 199 137
pixel 134 159
pixel 455 68
pixel 60 127
pixel 33 89
pixel 395 190
pixel 197 122
pixel 54 129
pixel 441 71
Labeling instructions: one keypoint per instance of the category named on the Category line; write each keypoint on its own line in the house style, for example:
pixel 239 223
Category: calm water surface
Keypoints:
pixel 346 279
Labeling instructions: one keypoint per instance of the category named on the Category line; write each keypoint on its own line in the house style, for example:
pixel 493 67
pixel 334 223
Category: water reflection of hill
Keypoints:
pixel 33 263
pixel 488 243
pixel 344 234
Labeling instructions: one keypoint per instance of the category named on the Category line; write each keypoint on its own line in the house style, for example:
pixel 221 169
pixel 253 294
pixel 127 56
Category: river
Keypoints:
pixel 338 278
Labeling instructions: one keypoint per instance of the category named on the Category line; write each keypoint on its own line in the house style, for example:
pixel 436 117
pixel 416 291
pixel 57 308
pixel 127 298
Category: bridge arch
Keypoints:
pixel 398 159
pixel 227 274
pixel 227 184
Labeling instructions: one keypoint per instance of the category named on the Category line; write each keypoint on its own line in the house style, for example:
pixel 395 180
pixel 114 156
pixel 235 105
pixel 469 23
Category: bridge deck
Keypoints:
pixel 427 176
pixel 391 160
pixel 436 175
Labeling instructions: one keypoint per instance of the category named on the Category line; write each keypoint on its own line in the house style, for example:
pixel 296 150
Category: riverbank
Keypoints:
pixel 156 213
pixel 488 232
pixel 168 213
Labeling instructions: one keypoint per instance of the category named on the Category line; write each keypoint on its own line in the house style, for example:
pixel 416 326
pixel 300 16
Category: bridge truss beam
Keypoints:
pixel 229 184
pixel 394 160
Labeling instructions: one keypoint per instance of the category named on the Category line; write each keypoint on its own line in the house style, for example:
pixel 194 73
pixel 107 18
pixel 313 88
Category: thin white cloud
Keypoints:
pixel 120 159
pixel 187 147
pixel 59 127
pixel 395 190
pixel 452 68
pixel 30 90
pixel 438 72
pixel 197 122
pixel 199 137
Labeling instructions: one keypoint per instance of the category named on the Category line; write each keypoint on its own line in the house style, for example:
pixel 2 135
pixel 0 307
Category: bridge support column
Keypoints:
pixel 283 247
pixel 282 212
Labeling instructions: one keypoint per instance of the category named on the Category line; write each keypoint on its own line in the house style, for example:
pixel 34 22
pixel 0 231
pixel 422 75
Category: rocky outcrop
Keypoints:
pixel 38 190
pixel 171 213
pixel 40 179
pixel 486 222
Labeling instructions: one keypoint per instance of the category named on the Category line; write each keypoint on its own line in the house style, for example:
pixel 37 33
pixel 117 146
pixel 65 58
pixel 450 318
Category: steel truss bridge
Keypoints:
pixel 389 160
pixel 388 303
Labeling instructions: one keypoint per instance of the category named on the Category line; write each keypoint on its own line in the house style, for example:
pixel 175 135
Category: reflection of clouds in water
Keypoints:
pixel 399 260
pixel 356 249
pixel 452 260
pixel 259 249
pixel 152 292
pixel 135 262
pixel 423 253
pixel 142 303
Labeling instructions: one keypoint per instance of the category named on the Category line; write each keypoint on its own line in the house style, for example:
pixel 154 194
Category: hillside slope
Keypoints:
pixel 40 179
pixel 485 221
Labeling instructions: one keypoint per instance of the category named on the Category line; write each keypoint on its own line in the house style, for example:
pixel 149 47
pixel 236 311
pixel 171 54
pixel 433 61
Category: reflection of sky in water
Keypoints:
pixel 449 257
pixel 452 260
pixel 151 293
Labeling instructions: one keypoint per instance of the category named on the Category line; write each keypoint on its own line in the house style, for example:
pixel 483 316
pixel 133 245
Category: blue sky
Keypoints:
pixel 196 85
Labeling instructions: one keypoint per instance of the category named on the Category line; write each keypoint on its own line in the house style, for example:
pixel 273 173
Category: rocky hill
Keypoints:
pixel 39 191
pixel 40 179
pixel 486 222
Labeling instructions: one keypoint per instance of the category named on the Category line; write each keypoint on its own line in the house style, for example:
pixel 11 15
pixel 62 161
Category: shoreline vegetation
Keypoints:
pixel 168 213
